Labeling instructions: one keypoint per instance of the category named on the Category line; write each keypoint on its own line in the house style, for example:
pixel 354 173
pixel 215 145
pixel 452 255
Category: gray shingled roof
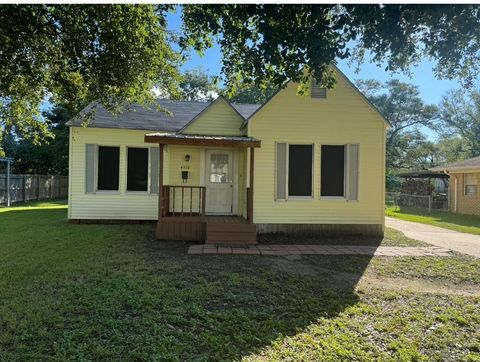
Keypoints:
pixel 460 165
pixel 151 119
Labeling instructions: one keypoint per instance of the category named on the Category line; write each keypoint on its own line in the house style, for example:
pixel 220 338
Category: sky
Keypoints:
pixel 431 88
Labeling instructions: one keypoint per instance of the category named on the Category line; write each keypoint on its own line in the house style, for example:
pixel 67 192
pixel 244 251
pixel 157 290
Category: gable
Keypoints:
pixel 218 119
pixel 342 102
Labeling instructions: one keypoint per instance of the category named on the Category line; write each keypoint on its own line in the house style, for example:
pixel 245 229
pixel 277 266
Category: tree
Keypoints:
pixel 197 85
pixel 460 115
pixel 451 149
pixel 47 157
pixel 403 106
pixel 250 93
pixel 78 54
pixel 274 43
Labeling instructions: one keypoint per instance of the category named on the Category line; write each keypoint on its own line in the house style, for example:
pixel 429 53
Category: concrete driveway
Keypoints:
pixel 450 239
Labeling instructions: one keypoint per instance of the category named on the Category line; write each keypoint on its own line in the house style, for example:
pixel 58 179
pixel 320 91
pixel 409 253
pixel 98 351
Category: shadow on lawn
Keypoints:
pixel 241 304
pixel 112 292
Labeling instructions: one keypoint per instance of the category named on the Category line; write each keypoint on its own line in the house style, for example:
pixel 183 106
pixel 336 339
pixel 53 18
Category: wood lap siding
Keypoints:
pixel 218 120
pixel 343 118
pixel 114 205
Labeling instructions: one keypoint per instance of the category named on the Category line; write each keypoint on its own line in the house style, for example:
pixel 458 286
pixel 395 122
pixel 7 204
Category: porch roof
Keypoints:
pixel 202 140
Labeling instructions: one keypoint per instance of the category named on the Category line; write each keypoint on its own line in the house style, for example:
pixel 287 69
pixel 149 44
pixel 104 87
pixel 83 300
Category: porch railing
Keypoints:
pixel 183 201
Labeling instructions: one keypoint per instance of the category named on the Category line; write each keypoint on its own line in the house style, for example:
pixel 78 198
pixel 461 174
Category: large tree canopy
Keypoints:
pixel 274 43
pixel 403 106
pixel 50 157
pixel 76 54
pixel 116 54
pixel 460 115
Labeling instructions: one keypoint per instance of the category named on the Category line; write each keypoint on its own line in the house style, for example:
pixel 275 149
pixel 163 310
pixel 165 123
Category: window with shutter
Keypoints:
pixel 353 161
pixel 281 171
pixel 333 171
pixel 90 158
pixel 108 168
pixel 137 169
pixel 154 157
pixel 300 173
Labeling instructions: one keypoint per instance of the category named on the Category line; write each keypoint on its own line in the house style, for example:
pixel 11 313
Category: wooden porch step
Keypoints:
pixel 230 233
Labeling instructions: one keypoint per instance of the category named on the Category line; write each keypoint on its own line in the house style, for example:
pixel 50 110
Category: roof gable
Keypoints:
pixel 220 118
pixel 346 86
pixel 174 117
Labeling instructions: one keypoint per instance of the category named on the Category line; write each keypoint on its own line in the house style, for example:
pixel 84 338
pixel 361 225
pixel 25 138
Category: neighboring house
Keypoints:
pixel 223 172
pixel 464 185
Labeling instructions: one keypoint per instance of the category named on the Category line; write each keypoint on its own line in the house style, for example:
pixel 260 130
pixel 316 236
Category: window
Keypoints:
pixel 219 168
pixel 137 169
pixel 108 168
pixel 333 171
pixel 300 174
pixel 470 181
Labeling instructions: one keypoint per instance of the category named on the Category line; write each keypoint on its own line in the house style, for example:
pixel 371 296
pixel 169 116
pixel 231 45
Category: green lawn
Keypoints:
pixel 463 223
pixel 111 292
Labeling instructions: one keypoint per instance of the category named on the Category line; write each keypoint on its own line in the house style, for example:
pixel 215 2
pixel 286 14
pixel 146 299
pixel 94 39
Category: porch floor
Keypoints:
pixel 226 219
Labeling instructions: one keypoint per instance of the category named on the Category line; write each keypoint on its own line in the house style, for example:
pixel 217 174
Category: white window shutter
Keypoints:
pixel 154 158
pixel 353 161
pixel 90 162
pixel 281 172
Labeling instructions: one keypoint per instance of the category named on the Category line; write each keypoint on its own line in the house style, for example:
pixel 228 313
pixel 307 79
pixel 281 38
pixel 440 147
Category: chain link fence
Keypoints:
pixel 436 201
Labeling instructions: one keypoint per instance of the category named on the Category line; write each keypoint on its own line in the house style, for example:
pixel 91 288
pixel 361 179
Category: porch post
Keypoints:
pixel 250 199
pixel 160 181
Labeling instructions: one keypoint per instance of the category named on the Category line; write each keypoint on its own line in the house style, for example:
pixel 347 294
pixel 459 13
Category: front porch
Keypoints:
pixel 209 229
pixel 217 207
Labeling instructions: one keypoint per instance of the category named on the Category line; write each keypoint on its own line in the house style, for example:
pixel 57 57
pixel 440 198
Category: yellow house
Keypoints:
pixel 222 172
pixel 464 185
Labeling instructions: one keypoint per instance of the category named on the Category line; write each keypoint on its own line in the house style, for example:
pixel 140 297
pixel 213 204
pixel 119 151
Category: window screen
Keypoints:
pixel 108 168
pixel 333 171
pixel 300 170
pixel 137 169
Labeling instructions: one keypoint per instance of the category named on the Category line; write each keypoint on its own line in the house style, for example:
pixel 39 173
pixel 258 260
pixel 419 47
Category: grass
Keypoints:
pixel 463 223
pixel 111 292
pixel 392 238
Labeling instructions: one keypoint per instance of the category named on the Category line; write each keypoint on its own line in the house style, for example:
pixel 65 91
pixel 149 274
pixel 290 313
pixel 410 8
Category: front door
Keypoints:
pixel 219 182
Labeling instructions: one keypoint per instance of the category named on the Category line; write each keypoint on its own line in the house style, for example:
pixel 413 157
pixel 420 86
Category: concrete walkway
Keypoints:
pixel 450 239
pixel 283 250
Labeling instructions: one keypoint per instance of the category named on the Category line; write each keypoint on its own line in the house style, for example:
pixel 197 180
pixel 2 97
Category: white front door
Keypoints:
pixel 219 182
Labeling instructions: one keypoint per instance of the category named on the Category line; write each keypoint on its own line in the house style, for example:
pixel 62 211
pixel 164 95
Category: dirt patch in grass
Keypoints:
pixel 339 276
pixel 369 281
pixel 392 238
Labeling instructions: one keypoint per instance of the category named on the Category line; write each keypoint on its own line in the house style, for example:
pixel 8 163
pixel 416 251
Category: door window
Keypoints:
pixel 219 168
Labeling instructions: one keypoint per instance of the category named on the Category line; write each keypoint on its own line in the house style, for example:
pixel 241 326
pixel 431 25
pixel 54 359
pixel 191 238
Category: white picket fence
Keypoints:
pixel 33 187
